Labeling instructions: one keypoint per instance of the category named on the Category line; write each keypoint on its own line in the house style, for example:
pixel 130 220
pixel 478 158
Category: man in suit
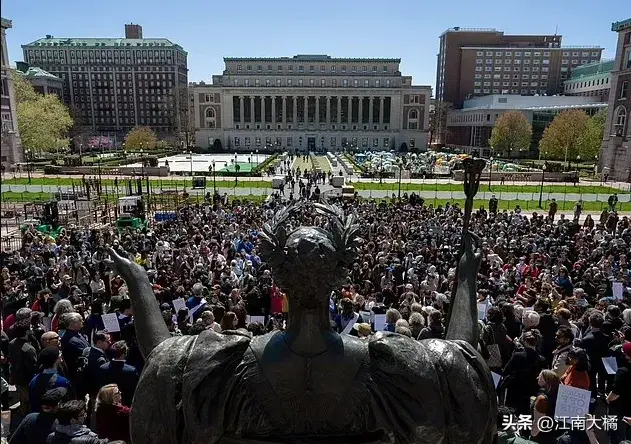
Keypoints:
pixel 596 344
pixel 119 373
pixel 72 344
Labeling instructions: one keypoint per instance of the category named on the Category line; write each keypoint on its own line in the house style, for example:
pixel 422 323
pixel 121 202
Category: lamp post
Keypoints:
pixel 190 156
pixel 543 173
pixel 257 157
pixel 400 163
pixel 80 154
pixel 142 163
pixel 214 175
pixel 490 170
pixel 236 170
pixel 578 160
pixel 27 155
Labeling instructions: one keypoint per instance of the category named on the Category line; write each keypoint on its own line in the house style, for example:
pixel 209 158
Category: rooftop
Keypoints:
pixel 513 101
pixel 98 42
pixel 309 58
pixel 35 72
pixel 602 67
pixel 619 26
pixel 459 29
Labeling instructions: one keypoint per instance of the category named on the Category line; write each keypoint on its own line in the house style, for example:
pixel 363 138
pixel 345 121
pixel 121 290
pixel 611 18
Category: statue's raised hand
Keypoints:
pixel 471 259
pixel 125 265
pixel 150 327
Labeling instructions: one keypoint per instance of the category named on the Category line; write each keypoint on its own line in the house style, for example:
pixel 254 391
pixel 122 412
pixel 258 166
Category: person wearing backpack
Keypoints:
pixel 47 378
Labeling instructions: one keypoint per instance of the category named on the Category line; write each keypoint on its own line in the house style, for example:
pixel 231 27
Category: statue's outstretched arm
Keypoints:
pixel 150 327
pixel 463 323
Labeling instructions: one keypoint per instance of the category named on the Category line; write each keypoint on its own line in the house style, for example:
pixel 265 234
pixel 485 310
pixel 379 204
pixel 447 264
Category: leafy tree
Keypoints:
pixel 100 142
pixel 43 120
pixel 141 137
pixel 512 132
pixel 162 144
pixel 593 136
pixel 563 138
pixel 403 148
pixel 217 146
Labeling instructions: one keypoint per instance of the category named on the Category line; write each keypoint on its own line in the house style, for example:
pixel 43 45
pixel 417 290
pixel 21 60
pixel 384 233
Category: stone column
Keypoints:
pixel 317 109
pixel 251 109
pixel 294 101
pixel 306 117
pixel 370 110
pixel 274 111
pixel 241 111
pixel 381 110
pixel 360 115
pixel 328 111
pixel 339 109
pixel 284 116
pixel 350 110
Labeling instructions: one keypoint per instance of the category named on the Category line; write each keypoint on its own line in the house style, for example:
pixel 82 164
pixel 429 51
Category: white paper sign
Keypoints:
pixel 611 365
pixel 496 378
pixel 380 322
pixel 252 319
pixel 572 402
pixel 178 304
pixel 482 307
pixel 110 321
pixel 617 290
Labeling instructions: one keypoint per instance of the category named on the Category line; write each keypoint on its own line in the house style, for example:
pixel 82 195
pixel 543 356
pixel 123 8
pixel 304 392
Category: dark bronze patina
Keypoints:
pixel 309 384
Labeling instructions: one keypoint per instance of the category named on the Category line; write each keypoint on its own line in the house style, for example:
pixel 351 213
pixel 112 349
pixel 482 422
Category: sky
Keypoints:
pixel 406 29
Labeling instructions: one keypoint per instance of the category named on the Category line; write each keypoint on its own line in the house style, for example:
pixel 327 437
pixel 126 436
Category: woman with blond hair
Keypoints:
pixel 112 417
pixel 62 307
pixel 545 405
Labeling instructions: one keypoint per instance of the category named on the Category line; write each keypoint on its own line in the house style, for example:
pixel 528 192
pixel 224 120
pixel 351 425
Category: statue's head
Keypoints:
pixel 309 262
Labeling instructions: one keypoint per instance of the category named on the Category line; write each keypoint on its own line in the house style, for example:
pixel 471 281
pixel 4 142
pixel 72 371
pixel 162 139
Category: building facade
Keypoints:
pixel 311 102
pixel 477 62
pixel 470 127
pixel 615 158
pixel 114 84
pixel 590 80
pixel 11 152
pixel 43 82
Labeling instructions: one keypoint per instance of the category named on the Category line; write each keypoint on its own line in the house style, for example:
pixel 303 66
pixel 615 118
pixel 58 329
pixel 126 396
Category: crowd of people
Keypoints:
pixel 556 301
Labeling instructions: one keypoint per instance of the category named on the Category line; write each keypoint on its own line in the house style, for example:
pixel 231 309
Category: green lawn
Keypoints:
pixel 431 186
pixel 172 183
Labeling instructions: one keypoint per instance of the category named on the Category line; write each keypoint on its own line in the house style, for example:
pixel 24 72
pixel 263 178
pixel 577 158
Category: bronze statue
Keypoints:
pixel 308 384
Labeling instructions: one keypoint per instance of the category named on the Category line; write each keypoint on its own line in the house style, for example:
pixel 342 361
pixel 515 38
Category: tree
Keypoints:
pixel 100 142
pixel 592 138
pixel 43 120
pixel 512 133
pixel 217 146
pixel 403 148
pixel 141 137
pixel 180 115
pixel 438 122
pixel 563 138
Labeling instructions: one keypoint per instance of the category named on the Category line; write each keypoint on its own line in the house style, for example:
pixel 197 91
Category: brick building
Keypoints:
pixel 477 62
pixel 114 84
pixel 615 158
pixel 11 148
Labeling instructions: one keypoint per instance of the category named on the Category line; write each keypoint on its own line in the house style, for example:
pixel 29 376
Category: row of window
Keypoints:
pixel 366 83
pixel 542 84
pixel 510 61
pixel 577 85
pixel 508 69
pixel 278 141
pixel 508 76
pixel 536 53
pixel 313 68
pixel 512 91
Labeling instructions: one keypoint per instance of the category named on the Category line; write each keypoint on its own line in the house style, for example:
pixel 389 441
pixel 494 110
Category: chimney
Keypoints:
pixel 133 31
pixel 21 66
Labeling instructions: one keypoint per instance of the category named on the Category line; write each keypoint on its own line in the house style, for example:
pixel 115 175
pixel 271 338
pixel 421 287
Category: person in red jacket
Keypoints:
pixel 112 417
